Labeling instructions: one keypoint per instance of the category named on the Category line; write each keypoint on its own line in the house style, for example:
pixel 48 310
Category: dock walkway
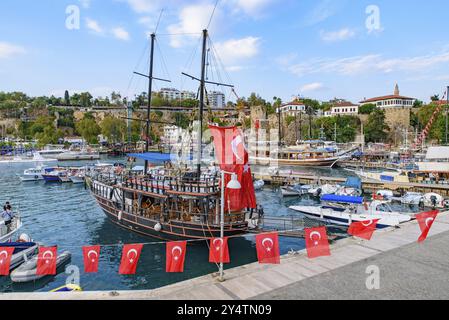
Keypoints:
pixel 407 270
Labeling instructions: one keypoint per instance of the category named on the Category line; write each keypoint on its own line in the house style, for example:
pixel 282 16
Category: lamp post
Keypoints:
pixel 234 184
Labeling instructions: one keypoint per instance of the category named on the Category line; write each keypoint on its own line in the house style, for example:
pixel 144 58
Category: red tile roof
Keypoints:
pixel 294 103
pixel 345 104
pixel 387 98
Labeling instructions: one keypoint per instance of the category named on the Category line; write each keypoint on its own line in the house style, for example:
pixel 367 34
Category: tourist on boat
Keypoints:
pixel 7 214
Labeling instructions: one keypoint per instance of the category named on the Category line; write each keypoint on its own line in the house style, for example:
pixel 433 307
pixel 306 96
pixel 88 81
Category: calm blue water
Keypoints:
pixel 68 216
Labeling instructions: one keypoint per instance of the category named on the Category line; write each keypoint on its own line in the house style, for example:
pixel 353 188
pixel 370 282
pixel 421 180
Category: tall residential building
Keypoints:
pixel 216 99
pixel 175 94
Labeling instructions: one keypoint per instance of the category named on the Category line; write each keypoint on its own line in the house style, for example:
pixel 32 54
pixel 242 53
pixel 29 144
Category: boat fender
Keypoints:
pixel 24 238
pixel 120 215
pixel 158 227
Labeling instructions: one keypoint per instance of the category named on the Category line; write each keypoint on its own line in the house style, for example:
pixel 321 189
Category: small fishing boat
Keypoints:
pixel 343 210
pixel 8 231
pixel 295 190
pixel 410 198
pixel 259 184
pixel 27 271
pixel 324 189
pixel 68 288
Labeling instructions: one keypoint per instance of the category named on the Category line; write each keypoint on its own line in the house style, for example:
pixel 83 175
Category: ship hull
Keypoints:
pixel 328 162
pixel 170 231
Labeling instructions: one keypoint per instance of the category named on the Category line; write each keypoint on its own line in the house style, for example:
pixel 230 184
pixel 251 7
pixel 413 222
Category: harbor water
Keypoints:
pixel 67 215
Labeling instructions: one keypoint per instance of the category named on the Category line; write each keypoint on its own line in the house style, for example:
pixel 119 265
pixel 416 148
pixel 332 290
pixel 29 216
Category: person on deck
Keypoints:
pixel 7 214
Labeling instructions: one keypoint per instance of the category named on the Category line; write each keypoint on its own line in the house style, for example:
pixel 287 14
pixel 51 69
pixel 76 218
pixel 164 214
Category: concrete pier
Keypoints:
pixel 408 270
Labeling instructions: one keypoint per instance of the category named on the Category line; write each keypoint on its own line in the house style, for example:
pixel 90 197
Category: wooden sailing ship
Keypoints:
pixel 168 204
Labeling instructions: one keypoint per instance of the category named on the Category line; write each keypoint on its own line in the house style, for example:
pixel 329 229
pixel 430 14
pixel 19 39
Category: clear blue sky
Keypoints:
pixel 320 49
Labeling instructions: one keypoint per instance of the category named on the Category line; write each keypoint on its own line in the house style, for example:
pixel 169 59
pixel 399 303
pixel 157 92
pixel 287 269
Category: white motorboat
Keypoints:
pixel 83 154
pixel 343 210
pixel 410 198
pixel 35 174
pixel 324 189
pixel 7 232
pixel 259 184
pixel 36 158
pixel 294 191
pixel 28 271
pixel 434 200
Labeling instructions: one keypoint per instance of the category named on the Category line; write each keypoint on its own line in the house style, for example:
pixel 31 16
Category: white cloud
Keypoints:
pixel 8 50
pixel 94 26
pixel 339 35
pixel 323 11
pixel 315 86
pixel 120 33
pixel 235 50
pixel 369 64
pixel 192 20
pixel 143 6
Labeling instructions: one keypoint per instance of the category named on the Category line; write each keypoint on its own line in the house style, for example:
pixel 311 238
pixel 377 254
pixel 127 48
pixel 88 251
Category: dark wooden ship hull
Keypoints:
pixel 170 231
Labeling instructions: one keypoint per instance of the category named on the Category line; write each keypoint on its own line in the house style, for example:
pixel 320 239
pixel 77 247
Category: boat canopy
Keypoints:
pixel 353 182
pixel 156 156
pixel 342 199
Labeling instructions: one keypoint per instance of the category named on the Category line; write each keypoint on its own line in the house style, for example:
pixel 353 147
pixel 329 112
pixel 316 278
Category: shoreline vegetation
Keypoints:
pixel 50 119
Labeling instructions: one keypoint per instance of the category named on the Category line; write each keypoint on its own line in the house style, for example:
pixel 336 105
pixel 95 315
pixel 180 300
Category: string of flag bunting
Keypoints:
pixel 267 247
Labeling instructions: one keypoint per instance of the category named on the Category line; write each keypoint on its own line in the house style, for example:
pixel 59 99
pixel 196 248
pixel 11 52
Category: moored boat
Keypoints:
pixel 343 210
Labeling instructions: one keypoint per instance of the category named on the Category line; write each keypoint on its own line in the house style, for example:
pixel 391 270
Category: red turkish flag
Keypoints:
pixel 91 256
pixel 5 260
pixel 317 243
pixel 229 147
pixel 175 256
pixel 46 261
pixel 219 251
pixel 426 220
pixel 363 229
pixel 267 246
pixel 130 258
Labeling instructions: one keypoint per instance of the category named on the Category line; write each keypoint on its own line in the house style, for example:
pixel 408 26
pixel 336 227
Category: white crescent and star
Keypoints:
pixel 429 220
pixel 367 223
pixel 95 253
pixel 132 251
pixel 1 256
pixel 176 248
pixel 235 143
pixel 218 246
pixel 49 253
pixel 315 233
pixel 268 248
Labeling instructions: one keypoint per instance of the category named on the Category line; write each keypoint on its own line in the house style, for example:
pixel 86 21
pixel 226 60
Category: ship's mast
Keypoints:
pixel 201 103
pixel 150 90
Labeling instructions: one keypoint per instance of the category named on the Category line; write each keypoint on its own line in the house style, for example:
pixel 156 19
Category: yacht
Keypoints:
pixel 83 154
pixel 344 210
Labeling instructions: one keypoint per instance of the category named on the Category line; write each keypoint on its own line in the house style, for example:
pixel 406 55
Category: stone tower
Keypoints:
pixel 396 90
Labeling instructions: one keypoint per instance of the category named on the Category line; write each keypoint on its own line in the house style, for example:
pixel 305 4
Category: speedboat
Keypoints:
pixel 28 271
pixel 344 210
pixel 35 174
pixel 294 191
pixel 352 187
pixel 410 198
pixel 8 231
pixel 324 189
pixel 56 176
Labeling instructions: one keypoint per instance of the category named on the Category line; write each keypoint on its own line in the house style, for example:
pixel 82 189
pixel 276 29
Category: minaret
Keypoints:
pixel 396 90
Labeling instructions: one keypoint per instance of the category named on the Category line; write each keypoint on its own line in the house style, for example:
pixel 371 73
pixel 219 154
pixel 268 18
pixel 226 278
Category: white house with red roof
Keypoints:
pixel 343 108
pixel 391 101
pixel 292 108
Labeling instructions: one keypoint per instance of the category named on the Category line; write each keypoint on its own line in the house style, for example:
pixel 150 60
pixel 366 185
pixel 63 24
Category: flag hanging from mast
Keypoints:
pixel 232 156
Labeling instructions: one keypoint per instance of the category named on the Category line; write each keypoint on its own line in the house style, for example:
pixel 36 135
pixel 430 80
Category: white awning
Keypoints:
pixel 437 153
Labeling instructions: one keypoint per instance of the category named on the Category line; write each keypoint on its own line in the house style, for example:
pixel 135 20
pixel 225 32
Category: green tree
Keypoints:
pixel 66 98
pixel 376 128
pixel 88 129
pixel 367 108
pixel 113 128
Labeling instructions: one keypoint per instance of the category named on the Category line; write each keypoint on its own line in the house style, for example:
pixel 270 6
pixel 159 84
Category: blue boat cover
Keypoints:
pixel 343 199
pixel 155 156
pixel 386 178
pixel 354 182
